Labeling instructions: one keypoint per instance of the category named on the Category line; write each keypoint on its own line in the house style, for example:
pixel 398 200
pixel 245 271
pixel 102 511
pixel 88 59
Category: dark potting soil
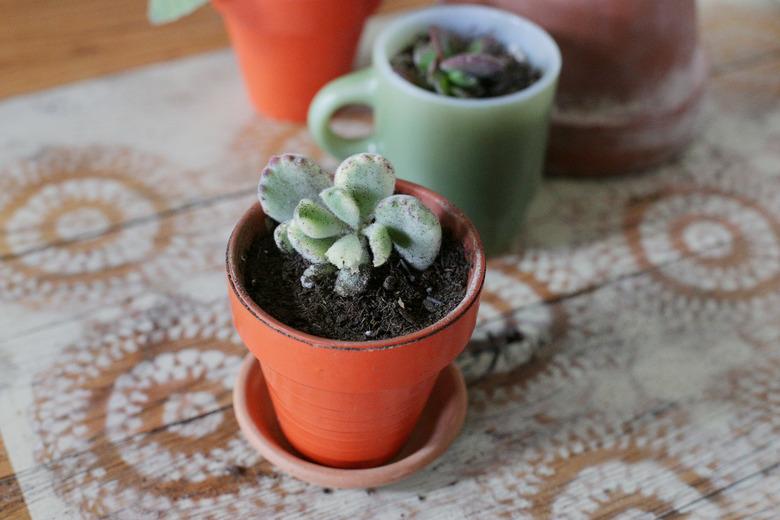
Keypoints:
pixel 516 72
pixel 399 299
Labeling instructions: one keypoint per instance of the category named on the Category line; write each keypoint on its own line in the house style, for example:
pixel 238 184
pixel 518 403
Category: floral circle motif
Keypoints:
pixel 86 207
pixel 588 493
pixel 100 207
pixel 512 326
pixel 137 419
pixel 710 242
pixel 583 409
pixel 181 408
pixel 711 252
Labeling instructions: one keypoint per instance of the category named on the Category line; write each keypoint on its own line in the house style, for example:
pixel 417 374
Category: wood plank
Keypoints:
pixel 44 43
pixel 650 304
pixel 590 423
pixel 12 504
pixel 738 34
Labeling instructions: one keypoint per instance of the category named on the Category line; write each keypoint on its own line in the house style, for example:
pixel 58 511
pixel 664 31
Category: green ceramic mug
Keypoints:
pixel 485 155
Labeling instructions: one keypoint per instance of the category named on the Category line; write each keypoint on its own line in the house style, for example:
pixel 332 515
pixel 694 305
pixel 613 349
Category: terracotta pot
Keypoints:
pixel 352 404
pixel 632 82
pixel 288 49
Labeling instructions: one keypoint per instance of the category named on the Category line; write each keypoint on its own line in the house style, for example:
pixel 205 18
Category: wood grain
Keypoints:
pixel 47 42
pixel 11 499
pixel 44 43
pixel 648 305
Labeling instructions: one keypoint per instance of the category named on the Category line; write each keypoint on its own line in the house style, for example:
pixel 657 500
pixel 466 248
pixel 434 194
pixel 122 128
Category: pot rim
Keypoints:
pixel 471 298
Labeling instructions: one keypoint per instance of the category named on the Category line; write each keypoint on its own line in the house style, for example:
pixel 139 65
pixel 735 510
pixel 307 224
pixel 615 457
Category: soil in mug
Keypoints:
pixel 399 299
pixel 450 64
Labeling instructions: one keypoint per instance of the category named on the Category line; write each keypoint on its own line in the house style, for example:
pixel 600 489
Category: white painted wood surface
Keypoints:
pixel 624 365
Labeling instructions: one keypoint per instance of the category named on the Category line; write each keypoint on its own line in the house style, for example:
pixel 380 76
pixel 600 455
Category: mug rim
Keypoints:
pixel 426 16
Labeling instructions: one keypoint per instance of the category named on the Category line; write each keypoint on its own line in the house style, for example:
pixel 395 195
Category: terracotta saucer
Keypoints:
pixel 439 424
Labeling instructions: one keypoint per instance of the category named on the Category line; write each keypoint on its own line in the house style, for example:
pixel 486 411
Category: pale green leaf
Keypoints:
pixel 312 249
pixel 342 205
pixel 380 242
pixel 318 222
pixel 346 252
pixel 413 227
pixel 286 181
pixel 316 272
pixel 351 282
pixel 164 11
pixel 281 239
pixel 368 178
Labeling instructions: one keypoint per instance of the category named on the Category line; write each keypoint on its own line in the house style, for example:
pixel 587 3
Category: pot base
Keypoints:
pixel 439 424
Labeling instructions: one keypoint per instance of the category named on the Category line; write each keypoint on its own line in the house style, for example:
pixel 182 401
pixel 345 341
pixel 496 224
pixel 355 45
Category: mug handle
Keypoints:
pixel 356 88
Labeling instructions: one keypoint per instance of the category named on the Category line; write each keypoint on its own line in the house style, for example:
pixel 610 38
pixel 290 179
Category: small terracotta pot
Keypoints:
pixel 631 87
pixel 351 404
pixel 288 49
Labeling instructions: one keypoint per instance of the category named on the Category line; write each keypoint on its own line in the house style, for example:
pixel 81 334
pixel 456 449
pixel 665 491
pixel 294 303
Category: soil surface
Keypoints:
pixel 399 299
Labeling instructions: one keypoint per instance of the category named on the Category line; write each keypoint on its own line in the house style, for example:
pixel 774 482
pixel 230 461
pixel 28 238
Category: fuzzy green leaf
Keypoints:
pixel 414 228
pixel 380 242
pixel 351 282
pixel 316 272
pixel 164 11
pixel 368 178
pixel 312 249
pixel 461 79
pixel 286 181
pixel 441 83
pixel 281 239
pixel 346 252
pixel 342 205
pixel 316 221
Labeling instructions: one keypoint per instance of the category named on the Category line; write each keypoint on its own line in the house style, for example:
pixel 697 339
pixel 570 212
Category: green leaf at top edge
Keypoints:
pixel 164 11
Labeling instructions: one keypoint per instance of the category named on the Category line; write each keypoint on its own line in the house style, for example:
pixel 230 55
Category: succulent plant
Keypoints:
pixel 348 224
pixel 164 11
pixel 446 63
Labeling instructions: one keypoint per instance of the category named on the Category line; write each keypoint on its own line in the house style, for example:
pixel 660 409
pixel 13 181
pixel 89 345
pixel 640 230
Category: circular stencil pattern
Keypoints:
pixel 85 225
pixel 709 241
pixel 136 418
pixel 82 208
pixel 593 492
pixel 573 238
pixel 513 324
pixel 711 252
pixel 627 414
pixel 181 408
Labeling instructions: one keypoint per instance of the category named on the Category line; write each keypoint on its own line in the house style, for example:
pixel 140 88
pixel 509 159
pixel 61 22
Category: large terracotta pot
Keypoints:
pixel 352 404
pixel 288 49
pixel 631 85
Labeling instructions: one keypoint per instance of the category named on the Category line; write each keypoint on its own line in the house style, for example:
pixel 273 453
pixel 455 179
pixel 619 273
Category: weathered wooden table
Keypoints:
pixel 625 363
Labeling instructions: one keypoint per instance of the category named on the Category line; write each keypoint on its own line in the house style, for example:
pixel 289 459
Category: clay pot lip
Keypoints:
pixel 411 23
pixel 471 298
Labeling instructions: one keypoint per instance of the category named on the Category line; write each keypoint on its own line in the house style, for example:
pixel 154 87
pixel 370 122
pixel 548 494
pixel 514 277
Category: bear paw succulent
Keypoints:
pixel 348 224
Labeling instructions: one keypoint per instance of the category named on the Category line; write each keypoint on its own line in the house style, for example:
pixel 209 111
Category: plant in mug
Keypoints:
pixel 484 154
pixel 450 64
pixel 349 224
